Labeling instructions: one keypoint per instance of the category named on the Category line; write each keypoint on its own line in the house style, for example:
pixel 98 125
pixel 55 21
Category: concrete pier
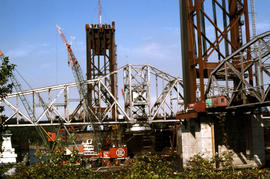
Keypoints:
pixel 241 134
pixel 196 139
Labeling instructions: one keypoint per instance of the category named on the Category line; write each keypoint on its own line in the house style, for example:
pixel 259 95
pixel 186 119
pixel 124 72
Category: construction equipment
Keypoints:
pixel 26 104
pixel 30 112
pixel 77 73
pixel 79 78
pixel 99 13
pixel 50 135
pixel 112 152
pixel 82 88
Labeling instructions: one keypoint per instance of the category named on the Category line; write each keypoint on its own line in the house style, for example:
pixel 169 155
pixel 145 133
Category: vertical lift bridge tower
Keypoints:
pixel 101 60
pixel 201 52
pixel 212 30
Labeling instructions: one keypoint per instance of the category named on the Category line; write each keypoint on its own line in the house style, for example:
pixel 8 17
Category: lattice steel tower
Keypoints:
pixel 210 31
pixel 101 60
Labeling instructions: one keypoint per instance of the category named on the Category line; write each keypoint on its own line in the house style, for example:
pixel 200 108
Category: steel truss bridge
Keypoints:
pixel 233 73
pixel 148 95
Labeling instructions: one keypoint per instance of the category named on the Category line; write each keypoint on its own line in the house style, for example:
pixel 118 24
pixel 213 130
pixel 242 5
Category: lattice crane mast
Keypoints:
pixel 77 73
pixel 25 103
pixel 99 13
pixel 45 107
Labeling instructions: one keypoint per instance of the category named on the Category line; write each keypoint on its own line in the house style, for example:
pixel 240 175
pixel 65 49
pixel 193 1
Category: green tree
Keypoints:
pixel 6 70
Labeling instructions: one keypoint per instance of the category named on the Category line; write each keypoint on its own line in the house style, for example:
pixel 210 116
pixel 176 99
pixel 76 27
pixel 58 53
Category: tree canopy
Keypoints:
pixel 6 70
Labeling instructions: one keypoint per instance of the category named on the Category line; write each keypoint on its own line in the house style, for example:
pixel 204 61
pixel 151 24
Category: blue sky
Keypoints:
pixel 147 32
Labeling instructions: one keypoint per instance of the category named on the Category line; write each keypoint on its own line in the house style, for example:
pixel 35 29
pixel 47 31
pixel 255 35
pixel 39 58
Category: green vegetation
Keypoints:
pixel 145 166
pixel 150 166
pixel 6 70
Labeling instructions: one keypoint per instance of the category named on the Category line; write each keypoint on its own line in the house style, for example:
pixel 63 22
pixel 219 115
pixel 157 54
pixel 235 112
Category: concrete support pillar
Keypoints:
pixel 245 135
pixel 240 134
pixel 179 147
pixel 196 139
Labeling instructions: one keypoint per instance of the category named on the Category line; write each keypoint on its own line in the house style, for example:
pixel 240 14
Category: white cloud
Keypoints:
pixel 44 44
pixel 150 50
pixel 72 39
pixel 160 54
pixel 46 65
pixel 171 29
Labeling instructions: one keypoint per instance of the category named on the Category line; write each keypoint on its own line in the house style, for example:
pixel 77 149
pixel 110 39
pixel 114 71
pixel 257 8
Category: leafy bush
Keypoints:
pixel 144 166
pixel 149 166
pixel 199 167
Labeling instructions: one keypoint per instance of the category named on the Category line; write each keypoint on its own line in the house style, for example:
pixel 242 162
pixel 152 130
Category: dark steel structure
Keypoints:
pixel 220 61
pixel 210 31
pixel 101 60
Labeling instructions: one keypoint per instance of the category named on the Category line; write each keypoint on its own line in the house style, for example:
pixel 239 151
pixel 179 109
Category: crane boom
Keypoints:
pixel 82 88
pixel 77 72
pixel 45 107
pixel 25 102
pixel 18 88
pixel 29 110
pixel 71 58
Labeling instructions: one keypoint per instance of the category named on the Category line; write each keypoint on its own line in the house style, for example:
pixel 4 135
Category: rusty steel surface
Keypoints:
pixel 189 115
pixel 201 51
pixel 101 60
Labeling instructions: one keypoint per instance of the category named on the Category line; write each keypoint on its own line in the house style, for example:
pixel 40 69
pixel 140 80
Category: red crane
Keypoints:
pixel 77 73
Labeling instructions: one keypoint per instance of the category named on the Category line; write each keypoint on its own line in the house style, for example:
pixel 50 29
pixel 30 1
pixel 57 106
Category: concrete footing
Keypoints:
pixel 196 139
pixel 242 135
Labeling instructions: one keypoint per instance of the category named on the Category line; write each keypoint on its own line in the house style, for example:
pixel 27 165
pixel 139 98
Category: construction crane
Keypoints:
pixel 77 72
pixel 45 107
pixel 30 111
pixel 78 75
pixel 82 88
pixel 26 104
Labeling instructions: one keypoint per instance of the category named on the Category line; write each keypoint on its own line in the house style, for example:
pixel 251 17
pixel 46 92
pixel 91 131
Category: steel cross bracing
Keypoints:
pixel 100 61
pixel 233 71
pixel 77 73
pixel 148 95
pixel 25 103
pixel 210 31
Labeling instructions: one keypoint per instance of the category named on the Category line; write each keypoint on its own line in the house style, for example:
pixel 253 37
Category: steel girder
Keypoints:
pixel 233 73
pixel 148 94
pixel 210 31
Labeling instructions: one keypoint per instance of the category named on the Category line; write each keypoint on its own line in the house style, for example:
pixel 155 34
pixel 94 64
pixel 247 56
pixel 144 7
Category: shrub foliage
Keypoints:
pixel 147 165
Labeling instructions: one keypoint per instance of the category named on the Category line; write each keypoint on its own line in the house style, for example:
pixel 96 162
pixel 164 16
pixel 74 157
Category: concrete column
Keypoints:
pixel 244 136
pixel 246 140
pixel 196 139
